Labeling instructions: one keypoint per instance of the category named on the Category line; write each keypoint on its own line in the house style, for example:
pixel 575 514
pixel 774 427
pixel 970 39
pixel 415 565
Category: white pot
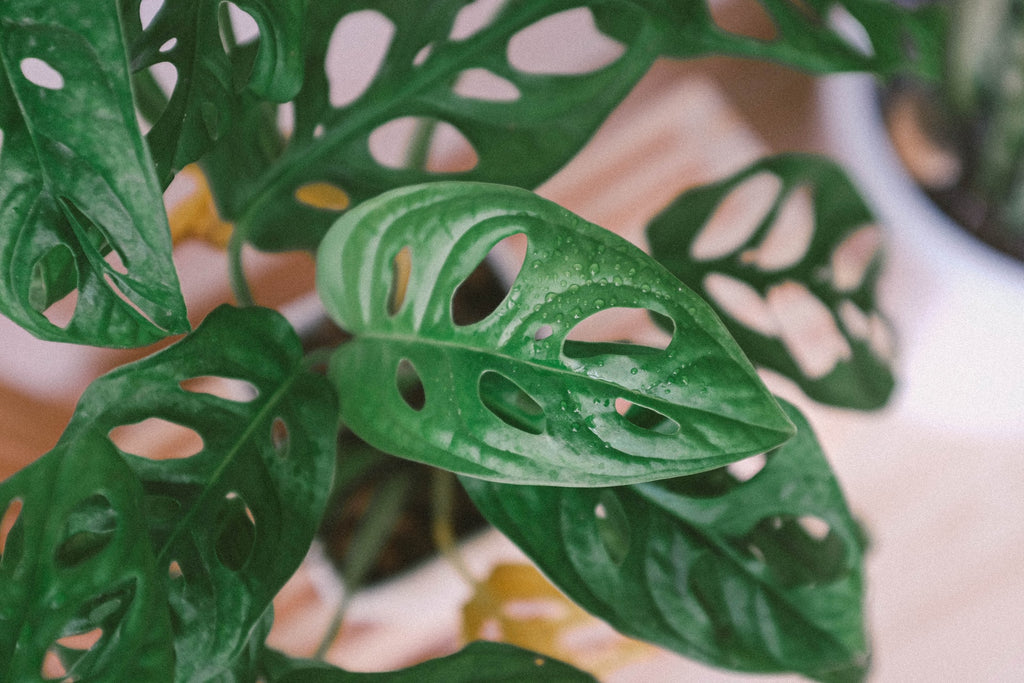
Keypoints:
pixel 958 305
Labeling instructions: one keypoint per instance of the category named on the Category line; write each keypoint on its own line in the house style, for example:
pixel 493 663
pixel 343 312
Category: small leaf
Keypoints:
pixel 763 575
pixel 233 521
pixel 79 583
pixel 81 215
pixel 479 661
pixel 500 403
pixel 794 281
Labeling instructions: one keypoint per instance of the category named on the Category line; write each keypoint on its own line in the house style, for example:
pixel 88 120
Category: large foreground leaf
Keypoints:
pixel 230 523
pixel 478 661
pixel 760 575
pixel 509 397
pixel 80 209
pixel 80 591
pixel 788 253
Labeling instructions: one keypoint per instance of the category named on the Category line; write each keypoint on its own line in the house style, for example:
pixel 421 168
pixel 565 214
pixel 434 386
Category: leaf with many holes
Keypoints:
pixel 80 592
pixel 509 397
pixel 80 210
pixel 477 661
pixel 205 95
pixel 788 253
pixel 820 36
pixel 231 523
pixel 521 124
pixel 756 575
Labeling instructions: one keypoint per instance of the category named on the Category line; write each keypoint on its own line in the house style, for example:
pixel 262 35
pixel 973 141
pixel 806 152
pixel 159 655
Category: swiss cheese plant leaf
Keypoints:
pixel 205 93
pixel 511 397
pixel 81 215
pixel 788 253
pixel 522 125
pixel 821 36
pixel 231 522
pixel 80 590
pixel 758 573
pixel 478 661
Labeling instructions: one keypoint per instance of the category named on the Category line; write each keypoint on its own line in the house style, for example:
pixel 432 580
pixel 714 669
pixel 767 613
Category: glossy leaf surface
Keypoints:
pixel 80 590
pixel 755 575
pixel 81 215
pixel 478 661
pixel 788 253
pixel 230 523
pixel 509 397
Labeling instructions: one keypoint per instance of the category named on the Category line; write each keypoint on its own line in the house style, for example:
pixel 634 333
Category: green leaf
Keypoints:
pixel 231 523
pixel 509 397
pixel 76 183
pixel 207 98
pixel 876 36
pixel 787 252
pixel 477 662
pixel 79 583
pixel 760 575
pixel 540 122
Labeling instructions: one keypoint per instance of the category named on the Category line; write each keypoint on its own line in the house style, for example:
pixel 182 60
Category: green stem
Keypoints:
pixel 374 530
pixel 443 485
pixel 236 270
pixel 418 153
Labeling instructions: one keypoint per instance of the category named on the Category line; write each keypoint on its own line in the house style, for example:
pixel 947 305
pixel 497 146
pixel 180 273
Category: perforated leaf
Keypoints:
pixel 510 397
pixel 478 661
pixel 821 36
pixel 756 575
pixel 79 585
pixel 210 80
pixel 230 523
pixel 788 253
pixel 81 216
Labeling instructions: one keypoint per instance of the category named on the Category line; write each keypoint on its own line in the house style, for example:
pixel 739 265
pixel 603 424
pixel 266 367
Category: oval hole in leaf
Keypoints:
pixel 227 388
pixel 243 26
pixel 7 524
pixel 510 403
pixel 742 302
pixel 543 332
pixel 157 439
pixel 745 18
pixel 39 72
pixel 409 384
pixel 481 84
pixel 355 52
pixel 542 47
pixel 115 260
pixel 793 555
pixel 613 526
pixel 626 327
pixel 746 469
pixel 90 526
pixel 646 418
pixel 280 437
pixel 323 196
pixel 53 289
pixel 853 256
pixel 401 268
pixel 237 535
pixel 148 9
pixel 115 287
pixel 482 292
pixel 736 217
pixel 808 329
pixel 82 642
pixel 53 668
pixel 174 570
pixel 473 17
pixel 789 235
pixel 422 143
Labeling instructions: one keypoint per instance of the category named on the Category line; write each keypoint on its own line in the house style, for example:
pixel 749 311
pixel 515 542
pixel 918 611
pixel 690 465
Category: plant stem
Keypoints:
pixel 373 532
pixel 442 528
pixel 236 270
pixel 418 154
